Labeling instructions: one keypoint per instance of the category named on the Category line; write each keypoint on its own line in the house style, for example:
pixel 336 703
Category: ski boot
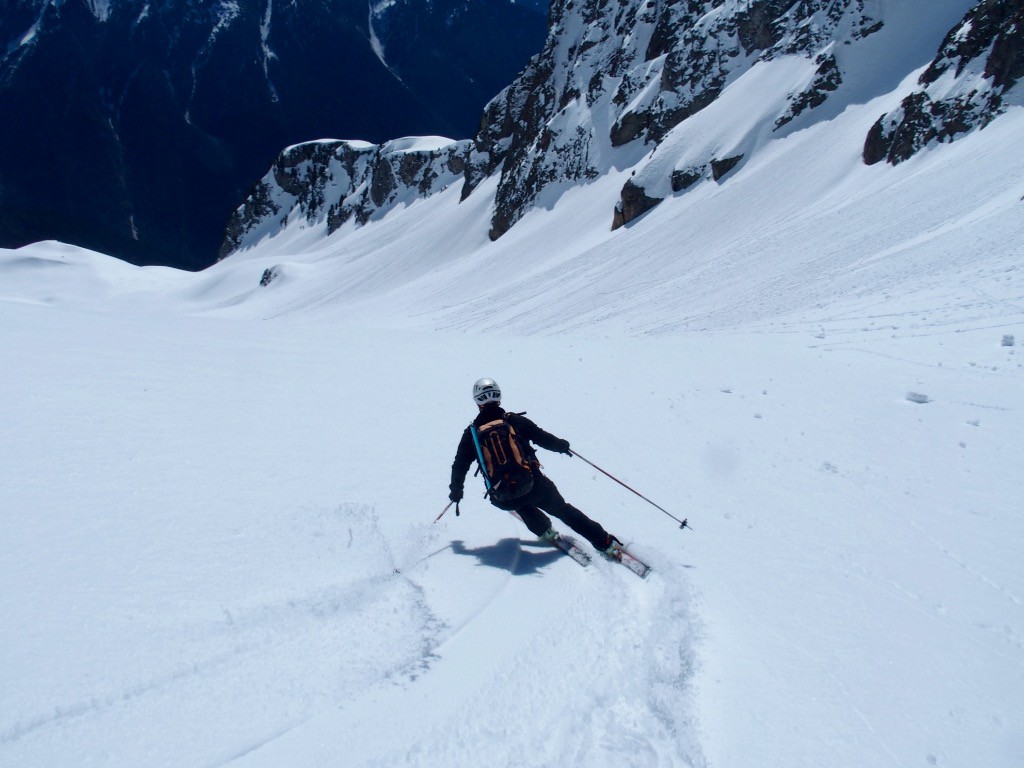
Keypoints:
pixel 613 549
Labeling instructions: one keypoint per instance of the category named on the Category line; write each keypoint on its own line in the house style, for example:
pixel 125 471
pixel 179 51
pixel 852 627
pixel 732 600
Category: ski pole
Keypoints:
pixel 446 509
pixel 682 523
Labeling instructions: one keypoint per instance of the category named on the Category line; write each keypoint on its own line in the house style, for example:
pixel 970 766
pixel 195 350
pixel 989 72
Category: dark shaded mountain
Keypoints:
pixel 136 128
pixel 453 52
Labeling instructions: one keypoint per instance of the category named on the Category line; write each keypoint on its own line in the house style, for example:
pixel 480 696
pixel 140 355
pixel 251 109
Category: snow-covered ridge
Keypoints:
pixel 332 182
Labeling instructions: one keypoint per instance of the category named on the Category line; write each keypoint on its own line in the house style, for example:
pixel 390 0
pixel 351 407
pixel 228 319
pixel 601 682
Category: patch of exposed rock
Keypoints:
pixel 972 80
pixel 329 183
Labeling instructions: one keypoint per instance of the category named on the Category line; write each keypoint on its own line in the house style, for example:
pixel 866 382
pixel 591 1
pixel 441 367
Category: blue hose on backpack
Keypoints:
pixel 480 459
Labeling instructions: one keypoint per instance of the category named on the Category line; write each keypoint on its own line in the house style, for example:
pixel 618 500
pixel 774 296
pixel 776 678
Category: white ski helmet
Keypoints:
pixel 486 391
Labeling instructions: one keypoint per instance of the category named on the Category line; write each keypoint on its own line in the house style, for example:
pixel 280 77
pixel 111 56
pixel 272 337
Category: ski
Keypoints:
pixel 565 543
pixel 570 548
pixel 635 564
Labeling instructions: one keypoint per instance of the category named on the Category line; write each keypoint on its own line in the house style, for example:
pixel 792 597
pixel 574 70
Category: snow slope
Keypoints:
pixel 217 496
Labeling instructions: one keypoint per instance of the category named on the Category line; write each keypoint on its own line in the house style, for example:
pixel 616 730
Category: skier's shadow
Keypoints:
pixel 509 555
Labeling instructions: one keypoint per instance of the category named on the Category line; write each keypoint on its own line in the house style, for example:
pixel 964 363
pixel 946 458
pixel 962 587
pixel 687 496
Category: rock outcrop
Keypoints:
pixel 973 79
pixel 328 183
pixel 613 72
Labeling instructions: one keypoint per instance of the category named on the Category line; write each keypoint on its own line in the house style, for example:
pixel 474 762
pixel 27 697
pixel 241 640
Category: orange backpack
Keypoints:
pixel 507 465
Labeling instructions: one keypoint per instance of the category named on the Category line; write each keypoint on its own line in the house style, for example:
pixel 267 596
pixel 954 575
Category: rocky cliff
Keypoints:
pixel 613 73
pixel 641 84
pixel 973 79
pixel 328 183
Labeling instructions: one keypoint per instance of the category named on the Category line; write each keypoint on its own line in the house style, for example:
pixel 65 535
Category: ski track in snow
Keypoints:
pixel 637 672
pixel 217 654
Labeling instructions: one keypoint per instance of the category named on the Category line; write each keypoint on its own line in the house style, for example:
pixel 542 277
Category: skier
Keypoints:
pixel 500 443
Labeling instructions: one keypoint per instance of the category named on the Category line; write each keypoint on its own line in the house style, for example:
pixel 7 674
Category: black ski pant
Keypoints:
pixel 545 496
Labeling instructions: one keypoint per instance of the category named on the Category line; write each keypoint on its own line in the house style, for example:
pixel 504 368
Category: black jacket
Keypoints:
pixel 466 453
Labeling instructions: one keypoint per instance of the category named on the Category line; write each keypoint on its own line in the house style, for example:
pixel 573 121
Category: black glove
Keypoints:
pixel 455 495
pixel 562 446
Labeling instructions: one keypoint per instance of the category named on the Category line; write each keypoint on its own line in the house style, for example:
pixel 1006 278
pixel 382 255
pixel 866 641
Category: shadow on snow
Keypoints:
pixel 509 555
